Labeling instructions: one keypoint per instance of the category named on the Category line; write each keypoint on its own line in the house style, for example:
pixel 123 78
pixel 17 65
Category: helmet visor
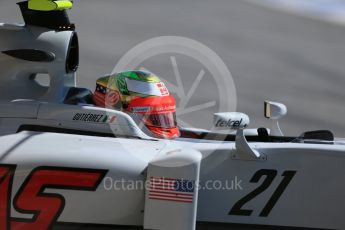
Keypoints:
pixel 161 120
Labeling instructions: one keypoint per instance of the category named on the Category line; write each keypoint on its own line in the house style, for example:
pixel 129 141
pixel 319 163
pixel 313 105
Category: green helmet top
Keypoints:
pixel 132 83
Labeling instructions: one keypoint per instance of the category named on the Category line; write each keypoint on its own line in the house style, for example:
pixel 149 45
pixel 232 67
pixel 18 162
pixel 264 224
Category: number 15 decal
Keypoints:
pixel 270 176
pixel 6 178
pixel 32 198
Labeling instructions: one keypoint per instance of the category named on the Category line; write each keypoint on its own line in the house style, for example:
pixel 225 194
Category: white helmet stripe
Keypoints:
pixel 154 89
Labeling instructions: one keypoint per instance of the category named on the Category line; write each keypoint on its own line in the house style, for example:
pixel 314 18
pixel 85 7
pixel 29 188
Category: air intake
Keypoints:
pixel 55 20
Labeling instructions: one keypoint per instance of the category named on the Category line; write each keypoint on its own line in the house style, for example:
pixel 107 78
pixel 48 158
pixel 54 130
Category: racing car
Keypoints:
pixel 69 163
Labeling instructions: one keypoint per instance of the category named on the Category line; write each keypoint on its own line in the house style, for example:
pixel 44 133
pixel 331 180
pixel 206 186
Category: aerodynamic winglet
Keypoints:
pixel 32 55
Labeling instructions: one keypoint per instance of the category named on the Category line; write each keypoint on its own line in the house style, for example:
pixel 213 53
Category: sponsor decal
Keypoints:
pixel 230 123
pixel 32 197
pixel 112 97
pixel 168 189
pixel 89 117
pixel 141 109
pixel 111 119
pixel 164 91
pixel 146 109
pixel 96 118
pixel 165 108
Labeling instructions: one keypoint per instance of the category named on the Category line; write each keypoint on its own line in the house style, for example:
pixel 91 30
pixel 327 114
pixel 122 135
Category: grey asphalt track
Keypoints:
pixel 271 54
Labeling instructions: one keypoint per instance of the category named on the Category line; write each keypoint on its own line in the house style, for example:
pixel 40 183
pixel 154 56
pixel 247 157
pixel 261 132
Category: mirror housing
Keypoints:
pixel 231 120
pixel 275 111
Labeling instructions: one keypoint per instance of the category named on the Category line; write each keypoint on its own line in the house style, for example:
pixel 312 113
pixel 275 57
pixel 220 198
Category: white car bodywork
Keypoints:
pixel 270 182
pixel 313 198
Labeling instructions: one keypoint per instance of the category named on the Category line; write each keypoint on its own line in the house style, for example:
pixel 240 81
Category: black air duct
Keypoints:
pixel 56 20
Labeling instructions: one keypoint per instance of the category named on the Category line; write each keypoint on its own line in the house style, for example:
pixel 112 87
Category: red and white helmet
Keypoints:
pixel 141 94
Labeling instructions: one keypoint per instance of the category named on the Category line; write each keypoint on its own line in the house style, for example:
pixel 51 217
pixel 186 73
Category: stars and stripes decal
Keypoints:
pixel 99 95
pixel 169 189
pixel 106 97
pixel 101 89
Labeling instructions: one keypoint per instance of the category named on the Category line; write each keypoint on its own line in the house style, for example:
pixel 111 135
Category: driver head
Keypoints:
pixel 143 95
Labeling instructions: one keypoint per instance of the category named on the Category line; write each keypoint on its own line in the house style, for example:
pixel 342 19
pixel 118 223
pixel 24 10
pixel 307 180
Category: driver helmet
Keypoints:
pixel 140 94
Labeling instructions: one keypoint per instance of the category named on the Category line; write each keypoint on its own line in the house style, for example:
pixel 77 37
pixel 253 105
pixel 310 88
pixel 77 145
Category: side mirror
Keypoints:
pixel 237 121
pixel 275 111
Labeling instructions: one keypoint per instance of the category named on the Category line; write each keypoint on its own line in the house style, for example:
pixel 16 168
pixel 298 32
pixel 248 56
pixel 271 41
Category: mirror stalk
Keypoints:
pixel 238 122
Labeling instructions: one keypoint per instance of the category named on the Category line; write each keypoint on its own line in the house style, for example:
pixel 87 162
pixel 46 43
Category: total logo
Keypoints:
pixel 165 108
pixel 230 123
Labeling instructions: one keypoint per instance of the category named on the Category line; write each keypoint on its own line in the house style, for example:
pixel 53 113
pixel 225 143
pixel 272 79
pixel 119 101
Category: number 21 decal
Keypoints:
pixel 270 175
pixel 31 197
